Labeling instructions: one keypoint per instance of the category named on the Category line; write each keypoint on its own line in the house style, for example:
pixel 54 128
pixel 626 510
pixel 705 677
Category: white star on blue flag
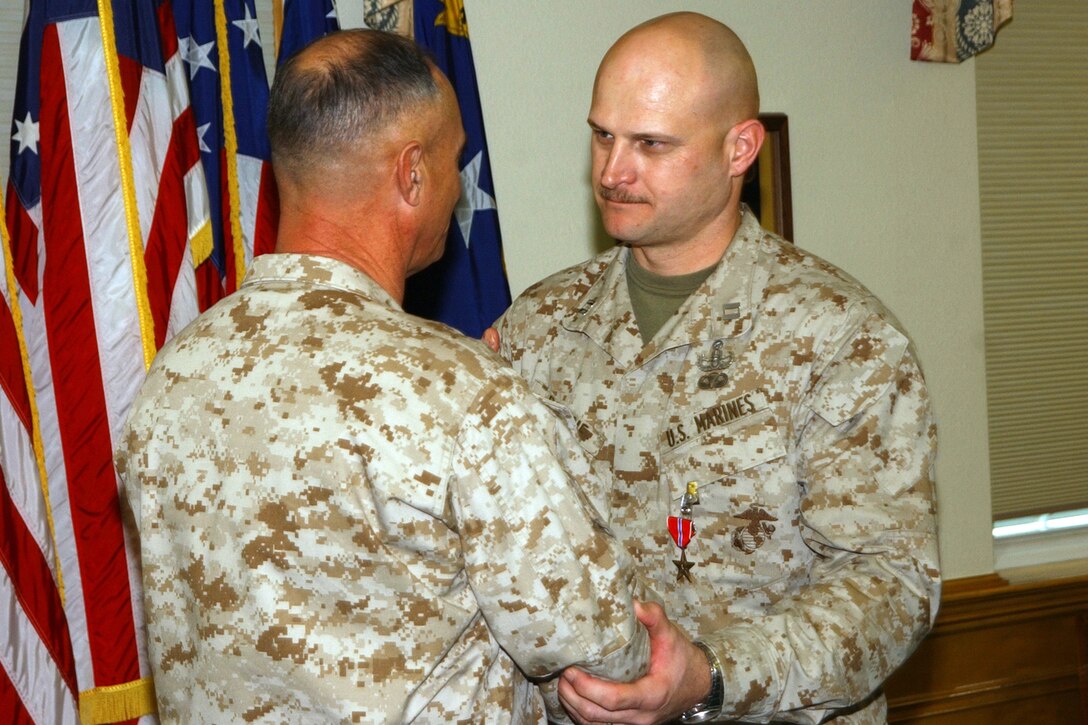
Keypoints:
pixel 196 55
pixel 26 134
pixel 250 28
pixel 473 198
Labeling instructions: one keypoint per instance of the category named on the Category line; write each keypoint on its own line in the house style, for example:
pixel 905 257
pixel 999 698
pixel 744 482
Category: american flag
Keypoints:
pixel 220 40
pixel 139 191
pixel 108 214
pixel 37 669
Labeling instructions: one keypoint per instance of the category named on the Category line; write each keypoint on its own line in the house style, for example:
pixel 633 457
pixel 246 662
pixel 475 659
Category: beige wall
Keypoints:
pixel 884 161
pixel 11 23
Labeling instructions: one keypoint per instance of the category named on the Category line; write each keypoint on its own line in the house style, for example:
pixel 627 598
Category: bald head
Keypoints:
pixel 693 52
pixel 342 94
pixel 675 129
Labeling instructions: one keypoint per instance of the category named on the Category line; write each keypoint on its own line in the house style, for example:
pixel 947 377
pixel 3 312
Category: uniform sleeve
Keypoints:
pixel 864 457
pixel 553 583
pixel 515 327
pixel 510 333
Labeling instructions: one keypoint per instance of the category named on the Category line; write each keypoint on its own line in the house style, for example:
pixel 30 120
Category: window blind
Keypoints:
pixel 1032 95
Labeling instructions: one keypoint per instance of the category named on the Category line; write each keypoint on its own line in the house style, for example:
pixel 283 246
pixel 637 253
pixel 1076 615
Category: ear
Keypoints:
pixel 409 173
pixel 743 144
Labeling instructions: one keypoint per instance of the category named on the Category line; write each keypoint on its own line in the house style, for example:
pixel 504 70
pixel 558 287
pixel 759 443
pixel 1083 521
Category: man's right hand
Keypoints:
pixel 491 338
pixel 678 679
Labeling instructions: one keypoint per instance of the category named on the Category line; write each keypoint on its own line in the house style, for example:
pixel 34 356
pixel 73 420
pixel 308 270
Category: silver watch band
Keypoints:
pixel 711 706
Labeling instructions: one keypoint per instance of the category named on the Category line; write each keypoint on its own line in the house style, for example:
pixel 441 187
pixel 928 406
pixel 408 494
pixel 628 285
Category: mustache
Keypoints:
pixel 618 195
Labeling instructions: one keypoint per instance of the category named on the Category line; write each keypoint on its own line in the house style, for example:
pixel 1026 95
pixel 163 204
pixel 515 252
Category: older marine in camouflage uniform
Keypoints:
pixel 350 514
pixel 794 400
pixel 726 381
pixel 346 513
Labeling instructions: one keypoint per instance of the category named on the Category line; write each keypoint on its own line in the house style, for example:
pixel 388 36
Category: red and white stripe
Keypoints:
pixel 37 669
pixel 170 187
pixel 86 352
pixel 259 206
pixel 82 318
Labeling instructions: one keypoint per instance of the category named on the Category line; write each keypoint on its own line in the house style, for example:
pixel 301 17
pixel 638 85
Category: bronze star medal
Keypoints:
pixel 682 530
pixel 683 568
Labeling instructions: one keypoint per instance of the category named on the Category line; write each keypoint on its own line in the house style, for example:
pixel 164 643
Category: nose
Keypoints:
pixel 617 169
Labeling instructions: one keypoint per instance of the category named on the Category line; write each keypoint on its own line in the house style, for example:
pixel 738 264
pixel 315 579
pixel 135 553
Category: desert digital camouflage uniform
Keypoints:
pixel 334 501
pixel 795 401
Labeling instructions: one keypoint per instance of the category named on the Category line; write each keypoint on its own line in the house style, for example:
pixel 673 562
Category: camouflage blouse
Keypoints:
pixel 348 514
pixel 794 402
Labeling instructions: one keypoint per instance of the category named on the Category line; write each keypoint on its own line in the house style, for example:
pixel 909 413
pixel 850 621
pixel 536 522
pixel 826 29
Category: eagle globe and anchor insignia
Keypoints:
pixel 453 18
pixel 746 538
pixel 752 535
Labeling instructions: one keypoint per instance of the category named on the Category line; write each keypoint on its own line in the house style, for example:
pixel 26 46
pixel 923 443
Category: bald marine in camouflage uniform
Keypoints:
pixel 706 350
pixel 348 514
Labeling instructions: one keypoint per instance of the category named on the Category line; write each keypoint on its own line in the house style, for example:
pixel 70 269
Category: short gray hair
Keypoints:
pixel 342 89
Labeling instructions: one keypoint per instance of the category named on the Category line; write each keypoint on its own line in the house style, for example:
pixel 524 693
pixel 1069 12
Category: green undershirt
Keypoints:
pixel 656 298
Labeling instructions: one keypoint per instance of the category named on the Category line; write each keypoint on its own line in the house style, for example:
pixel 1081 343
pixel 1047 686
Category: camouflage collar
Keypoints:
pixel 316 271
pixel 721 308
pixel 604 312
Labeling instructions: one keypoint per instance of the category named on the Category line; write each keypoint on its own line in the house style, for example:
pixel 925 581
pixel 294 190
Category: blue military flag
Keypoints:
pixel 299 22
pixel 467 288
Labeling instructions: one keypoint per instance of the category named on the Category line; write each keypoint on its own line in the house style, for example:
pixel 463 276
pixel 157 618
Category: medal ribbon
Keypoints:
pixel 682 530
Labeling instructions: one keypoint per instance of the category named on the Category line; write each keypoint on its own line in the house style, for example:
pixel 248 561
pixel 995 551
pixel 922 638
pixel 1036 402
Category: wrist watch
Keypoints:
pixel 711 706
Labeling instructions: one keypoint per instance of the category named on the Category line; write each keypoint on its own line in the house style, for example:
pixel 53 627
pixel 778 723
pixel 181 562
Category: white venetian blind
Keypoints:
pixel 1032 93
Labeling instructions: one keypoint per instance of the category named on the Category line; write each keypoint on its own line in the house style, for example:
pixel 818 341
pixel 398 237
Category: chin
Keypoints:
pixel 623 233
pixel 436 254
pixel 612 225
pixel 621 225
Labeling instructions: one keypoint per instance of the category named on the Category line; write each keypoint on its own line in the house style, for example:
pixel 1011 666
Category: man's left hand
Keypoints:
pixel 678 679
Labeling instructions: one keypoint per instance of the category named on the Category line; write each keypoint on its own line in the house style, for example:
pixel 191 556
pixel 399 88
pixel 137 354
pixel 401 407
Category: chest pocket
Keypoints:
pixel 726 457
pixel 748 497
